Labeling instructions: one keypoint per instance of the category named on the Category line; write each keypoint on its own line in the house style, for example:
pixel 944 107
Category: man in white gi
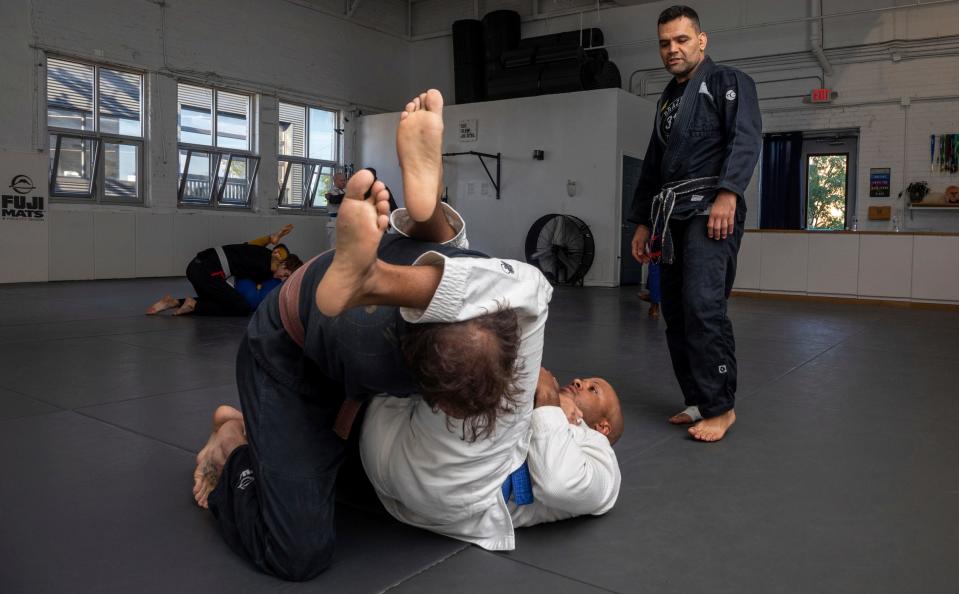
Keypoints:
pixel 427 477
pixel 424 471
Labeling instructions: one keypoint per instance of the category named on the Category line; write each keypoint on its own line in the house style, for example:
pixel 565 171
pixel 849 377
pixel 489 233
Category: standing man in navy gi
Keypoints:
pixel 690 213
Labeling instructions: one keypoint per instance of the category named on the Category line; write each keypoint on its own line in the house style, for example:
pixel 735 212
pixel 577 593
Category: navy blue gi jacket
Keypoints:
pixel 717 132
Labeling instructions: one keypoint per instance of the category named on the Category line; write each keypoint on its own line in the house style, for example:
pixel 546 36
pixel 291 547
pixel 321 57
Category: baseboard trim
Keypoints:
pixel 850 300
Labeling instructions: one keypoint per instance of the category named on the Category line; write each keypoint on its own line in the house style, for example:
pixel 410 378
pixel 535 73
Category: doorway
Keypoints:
pixel 827 191
pixel 829 179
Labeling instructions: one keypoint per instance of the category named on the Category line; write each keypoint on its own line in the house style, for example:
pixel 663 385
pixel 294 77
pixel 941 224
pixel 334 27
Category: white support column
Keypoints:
pixel 267 185
pixel 162 162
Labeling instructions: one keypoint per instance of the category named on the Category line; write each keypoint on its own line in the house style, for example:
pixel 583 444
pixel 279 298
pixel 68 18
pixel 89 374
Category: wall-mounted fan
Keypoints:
pixel 561 246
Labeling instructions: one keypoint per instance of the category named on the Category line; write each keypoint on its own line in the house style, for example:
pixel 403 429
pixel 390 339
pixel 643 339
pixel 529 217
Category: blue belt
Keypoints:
pixel 519 486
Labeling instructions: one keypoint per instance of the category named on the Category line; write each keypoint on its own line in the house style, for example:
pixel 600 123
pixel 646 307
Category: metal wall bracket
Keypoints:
pixel 498 158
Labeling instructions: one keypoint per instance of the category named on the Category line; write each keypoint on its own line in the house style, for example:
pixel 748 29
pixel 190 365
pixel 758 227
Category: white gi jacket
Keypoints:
pixel 424 473
pixel 573 468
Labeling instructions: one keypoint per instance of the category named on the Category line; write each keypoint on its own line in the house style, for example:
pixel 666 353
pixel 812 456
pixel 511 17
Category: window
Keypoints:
pixel 308 155
pixel 217 164
pixel 826 191
pixel 95 122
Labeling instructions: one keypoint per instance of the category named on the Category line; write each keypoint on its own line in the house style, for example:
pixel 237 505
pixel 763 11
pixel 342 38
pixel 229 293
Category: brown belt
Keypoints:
pixel 289 303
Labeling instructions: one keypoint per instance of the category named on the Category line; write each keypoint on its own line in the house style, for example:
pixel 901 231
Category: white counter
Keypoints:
pixel 919 267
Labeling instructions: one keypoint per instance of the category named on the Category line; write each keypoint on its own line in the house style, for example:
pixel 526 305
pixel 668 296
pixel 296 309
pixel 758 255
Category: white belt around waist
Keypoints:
pixel 224 263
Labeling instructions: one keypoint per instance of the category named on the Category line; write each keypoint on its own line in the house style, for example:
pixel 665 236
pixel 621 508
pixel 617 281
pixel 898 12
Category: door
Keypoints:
pixel 630 271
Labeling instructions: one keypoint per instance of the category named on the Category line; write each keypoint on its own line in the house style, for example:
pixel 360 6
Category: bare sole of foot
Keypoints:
pixel 713 429
pixel 212 458
pixel 654 311
pixel 189 304
pixel 419 146
pixel 360 223
pixel 168 302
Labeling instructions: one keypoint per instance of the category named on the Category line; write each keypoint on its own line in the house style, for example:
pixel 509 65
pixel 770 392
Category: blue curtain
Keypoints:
pixel 780 200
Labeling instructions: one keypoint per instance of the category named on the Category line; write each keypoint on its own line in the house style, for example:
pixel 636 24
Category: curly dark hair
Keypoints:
pixel 467 369
pixel 292 262
pixel 678 11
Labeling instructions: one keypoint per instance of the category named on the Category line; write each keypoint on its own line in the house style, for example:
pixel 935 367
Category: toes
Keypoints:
pixel 375 191
pixel 383 203
pixel 434 100
pixel 359 184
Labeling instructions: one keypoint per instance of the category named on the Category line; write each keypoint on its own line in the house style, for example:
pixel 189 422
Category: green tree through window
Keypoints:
pixel 826 192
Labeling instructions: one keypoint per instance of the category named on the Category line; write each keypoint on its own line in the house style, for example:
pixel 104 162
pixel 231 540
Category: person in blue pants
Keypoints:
pixel 652 292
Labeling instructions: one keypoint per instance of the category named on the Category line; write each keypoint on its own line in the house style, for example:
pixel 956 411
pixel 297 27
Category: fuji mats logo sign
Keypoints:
pixel 20 204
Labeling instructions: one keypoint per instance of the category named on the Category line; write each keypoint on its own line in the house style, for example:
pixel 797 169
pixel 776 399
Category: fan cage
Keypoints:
pixel 561 246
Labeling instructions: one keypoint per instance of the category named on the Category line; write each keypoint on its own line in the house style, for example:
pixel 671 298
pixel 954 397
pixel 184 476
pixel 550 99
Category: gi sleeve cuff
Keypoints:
pixel 448 299
pixel 403 224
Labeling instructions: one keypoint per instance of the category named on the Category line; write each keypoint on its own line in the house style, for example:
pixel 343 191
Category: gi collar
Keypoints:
pixel 679 134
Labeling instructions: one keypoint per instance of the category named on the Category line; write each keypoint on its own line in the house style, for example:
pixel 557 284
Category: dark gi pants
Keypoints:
pixel 274 500
pixel 214 296
pixel 695 288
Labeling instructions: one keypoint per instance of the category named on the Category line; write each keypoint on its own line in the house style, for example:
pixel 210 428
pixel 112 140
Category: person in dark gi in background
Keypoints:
pixel 214 271
pixel 690 213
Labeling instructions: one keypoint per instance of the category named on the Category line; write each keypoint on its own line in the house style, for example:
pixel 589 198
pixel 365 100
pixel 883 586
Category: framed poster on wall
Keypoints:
pixel 879 182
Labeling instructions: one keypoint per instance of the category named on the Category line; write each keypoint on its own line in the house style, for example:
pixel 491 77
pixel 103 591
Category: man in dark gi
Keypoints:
pixel 690 213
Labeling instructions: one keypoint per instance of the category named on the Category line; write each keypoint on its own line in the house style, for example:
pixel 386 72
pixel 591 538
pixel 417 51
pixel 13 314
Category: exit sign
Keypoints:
pixel 821 96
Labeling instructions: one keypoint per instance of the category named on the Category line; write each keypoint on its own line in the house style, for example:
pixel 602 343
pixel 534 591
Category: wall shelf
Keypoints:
pixel 913 208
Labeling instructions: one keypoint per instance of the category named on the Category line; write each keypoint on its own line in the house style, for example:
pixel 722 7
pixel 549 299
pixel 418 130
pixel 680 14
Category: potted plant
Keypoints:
pixel 916 191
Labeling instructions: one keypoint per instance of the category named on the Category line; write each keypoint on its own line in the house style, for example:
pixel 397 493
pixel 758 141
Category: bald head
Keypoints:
pixel 599 404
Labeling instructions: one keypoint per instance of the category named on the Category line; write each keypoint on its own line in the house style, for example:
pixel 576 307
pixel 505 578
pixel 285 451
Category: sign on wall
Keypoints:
pixel 469 130
pixel 879 182
pixel 24 212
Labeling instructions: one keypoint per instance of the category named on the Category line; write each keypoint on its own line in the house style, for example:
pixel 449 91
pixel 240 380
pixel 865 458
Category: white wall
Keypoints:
pixel 870 91
pixel 579 133
pixel 290 49
pixel 298 49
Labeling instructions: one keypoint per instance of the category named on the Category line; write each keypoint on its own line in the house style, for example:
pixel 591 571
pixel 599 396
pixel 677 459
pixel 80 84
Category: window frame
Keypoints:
pixel 217 153
pixel 315 166
pixel 97 193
